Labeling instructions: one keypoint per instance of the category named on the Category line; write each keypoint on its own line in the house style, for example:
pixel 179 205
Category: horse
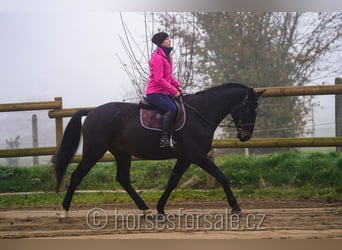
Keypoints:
pixel 115 127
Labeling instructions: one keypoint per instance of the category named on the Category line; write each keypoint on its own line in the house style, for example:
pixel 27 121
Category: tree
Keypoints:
pixel 266 49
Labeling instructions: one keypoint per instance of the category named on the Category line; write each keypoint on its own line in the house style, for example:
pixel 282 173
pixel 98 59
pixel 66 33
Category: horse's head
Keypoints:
pixel 244 114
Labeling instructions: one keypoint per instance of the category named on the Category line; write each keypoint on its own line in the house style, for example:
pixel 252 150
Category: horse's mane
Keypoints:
pixel 219 88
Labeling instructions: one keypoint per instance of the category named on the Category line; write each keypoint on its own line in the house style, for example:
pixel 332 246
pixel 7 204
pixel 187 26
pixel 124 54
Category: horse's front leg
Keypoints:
pixel 206 164
pixel 180 167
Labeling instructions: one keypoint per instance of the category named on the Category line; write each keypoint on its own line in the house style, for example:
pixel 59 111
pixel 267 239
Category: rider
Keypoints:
pixel 162 86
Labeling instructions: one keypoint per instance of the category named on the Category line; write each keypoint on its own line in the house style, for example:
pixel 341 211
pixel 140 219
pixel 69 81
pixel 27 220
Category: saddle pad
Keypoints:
pixel 149 120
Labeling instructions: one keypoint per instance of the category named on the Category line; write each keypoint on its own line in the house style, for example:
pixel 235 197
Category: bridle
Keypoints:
pixel 241 109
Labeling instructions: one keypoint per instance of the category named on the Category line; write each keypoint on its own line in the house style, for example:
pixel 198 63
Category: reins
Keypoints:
pixel 196 111
pixel 239 124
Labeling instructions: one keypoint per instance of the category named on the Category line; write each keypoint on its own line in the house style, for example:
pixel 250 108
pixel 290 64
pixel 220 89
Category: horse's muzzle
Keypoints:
pixel 244 135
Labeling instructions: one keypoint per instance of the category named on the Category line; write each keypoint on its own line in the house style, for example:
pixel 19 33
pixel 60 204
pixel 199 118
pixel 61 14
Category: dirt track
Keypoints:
pixel 261 219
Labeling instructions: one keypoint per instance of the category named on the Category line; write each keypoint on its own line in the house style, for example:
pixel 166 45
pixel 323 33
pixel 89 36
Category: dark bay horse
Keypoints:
pixel 115 127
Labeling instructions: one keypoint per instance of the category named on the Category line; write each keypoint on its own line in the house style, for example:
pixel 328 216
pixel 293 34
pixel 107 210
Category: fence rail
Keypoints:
pixel 301 90
pixel 270 92
pixel 66 112
pixel 227 143
pixel 10 107
pixel 22 152
pixel 280 142
pixel 58 113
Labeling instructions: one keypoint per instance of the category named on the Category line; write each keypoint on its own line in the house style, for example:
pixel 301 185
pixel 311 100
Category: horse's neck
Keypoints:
pixel 216 105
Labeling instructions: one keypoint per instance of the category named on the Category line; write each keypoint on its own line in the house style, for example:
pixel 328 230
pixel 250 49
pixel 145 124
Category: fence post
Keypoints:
pixel 338 114
pixel 59 124
pixel 59 135
pixel 35 138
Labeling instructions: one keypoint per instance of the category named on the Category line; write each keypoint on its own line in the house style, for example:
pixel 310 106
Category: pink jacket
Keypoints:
pixel 161 79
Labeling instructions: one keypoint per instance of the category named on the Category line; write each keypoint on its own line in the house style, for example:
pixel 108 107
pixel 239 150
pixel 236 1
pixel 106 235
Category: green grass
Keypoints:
pixel 151 197
pixel 294 169
pixel 285 175
pixel 22 179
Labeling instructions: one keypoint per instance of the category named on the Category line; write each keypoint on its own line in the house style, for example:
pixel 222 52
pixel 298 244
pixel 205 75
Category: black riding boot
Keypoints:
pixel 165 137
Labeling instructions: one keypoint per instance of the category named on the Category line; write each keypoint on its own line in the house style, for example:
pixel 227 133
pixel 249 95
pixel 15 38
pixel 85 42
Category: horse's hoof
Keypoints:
pixel 62 214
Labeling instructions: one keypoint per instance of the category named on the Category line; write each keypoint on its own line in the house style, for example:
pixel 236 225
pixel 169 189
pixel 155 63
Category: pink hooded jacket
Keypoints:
pixel 161 79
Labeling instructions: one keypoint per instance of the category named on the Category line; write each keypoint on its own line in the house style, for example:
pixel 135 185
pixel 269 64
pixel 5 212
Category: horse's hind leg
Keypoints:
pixel 123 167
pixel 90 157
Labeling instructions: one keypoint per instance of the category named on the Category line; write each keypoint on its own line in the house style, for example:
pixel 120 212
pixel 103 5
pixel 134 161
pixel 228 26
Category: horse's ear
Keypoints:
pixel 259 93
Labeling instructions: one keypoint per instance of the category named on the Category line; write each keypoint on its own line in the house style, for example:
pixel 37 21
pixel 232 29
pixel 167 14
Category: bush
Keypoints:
pixel 19 179
pixel 295 169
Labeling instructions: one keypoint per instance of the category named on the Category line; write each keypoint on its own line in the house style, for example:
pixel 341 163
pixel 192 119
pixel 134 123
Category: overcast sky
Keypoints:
pixel 67 54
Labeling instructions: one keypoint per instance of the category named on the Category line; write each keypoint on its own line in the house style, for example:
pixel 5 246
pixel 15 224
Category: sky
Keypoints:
pixel 67 54
pixel 73 55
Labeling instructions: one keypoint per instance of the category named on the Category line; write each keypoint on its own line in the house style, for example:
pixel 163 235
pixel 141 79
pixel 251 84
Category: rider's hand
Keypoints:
pixel 177 94
pixel 180 90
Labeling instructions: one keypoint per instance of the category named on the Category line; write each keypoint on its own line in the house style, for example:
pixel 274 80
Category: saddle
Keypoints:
pixel 152 118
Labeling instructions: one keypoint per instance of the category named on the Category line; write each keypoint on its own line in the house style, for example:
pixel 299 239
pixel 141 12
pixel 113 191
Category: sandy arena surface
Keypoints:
pixel 260 219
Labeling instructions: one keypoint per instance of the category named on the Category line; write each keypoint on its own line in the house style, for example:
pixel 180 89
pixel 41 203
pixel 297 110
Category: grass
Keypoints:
pixel 152 196
pixel 295 169
pixel 282 175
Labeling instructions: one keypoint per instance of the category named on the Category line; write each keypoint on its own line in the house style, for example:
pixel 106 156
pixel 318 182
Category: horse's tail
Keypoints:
pixel 68 146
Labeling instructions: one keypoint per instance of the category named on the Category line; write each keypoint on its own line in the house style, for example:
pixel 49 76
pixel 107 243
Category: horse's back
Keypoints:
pixel 113 109
pixel 110 115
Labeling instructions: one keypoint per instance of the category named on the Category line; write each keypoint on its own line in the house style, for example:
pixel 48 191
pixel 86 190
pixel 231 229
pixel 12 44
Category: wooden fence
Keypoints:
pixel 58 113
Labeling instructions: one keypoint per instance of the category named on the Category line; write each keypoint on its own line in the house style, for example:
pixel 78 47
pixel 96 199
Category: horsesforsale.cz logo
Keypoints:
pixel 98 219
